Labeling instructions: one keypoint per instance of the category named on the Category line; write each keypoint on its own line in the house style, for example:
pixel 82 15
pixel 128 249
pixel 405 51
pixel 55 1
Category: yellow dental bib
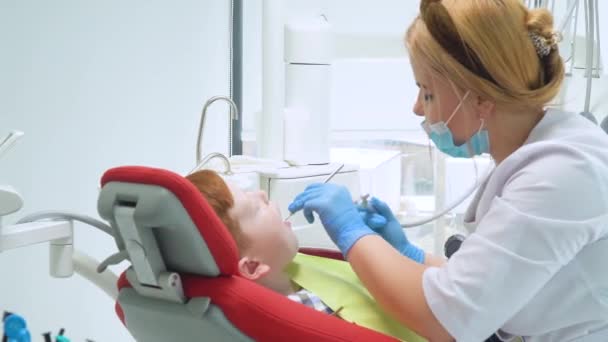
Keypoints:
pixel 337 285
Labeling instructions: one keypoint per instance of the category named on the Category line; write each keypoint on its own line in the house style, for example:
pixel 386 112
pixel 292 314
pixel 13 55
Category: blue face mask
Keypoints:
pixel 441 135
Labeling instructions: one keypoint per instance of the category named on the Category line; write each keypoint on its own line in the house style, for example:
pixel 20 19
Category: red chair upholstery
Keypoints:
pixel 255 311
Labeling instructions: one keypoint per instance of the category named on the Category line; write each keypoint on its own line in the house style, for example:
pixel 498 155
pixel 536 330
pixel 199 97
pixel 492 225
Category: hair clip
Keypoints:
pixel 543 45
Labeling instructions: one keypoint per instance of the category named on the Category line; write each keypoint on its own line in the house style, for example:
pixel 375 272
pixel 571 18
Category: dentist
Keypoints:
pixel 534 265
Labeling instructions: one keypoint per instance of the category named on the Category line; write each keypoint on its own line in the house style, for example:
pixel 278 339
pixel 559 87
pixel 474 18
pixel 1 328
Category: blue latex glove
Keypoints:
pixel 338 213
pixel 392 231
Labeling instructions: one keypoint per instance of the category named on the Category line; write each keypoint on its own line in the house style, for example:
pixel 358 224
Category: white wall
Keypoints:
pixel 98 84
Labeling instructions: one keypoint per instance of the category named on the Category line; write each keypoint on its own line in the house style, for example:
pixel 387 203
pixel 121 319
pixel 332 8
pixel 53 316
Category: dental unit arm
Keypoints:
pixel 57 228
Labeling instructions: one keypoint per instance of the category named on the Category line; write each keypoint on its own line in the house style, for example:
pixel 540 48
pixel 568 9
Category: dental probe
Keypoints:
pixel 325 181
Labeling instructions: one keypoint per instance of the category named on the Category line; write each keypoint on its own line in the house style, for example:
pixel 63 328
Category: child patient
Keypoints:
pixel 269 256
pixel 266 243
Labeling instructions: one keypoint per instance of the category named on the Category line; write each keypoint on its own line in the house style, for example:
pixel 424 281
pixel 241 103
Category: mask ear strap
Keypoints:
pixel 470 147
pixel 458 107
pixel 482 124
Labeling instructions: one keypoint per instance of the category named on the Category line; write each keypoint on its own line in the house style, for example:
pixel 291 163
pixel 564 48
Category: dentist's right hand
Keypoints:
pixel 338 213
pixel 392 231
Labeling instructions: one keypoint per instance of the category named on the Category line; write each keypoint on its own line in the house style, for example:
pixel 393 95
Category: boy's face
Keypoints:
pixel 270 239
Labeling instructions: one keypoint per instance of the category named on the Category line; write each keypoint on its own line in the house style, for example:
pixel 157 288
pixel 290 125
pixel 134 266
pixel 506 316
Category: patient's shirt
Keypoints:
pixel 311 300
pixel 340 289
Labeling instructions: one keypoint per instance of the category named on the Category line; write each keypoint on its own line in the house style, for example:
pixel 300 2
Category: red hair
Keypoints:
pixel 218 195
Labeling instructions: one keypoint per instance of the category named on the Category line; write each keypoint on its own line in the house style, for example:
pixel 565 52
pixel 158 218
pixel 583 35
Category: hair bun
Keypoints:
pixel 540 21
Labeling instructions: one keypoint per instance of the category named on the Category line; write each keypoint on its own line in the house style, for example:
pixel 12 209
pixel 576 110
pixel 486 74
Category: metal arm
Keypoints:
pixel 59 233
pixel 212 156
pixel 234 115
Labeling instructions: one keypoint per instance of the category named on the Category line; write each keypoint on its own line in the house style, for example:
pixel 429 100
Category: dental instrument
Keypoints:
pixel 363 202
pixel 324 182
pixel 9 141
pixel 15 329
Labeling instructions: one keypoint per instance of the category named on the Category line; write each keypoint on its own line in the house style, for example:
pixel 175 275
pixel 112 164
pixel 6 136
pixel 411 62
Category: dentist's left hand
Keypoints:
pixel 338 213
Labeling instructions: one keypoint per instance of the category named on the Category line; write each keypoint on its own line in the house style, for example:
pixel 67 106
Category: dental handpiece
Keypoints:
pixel 363 201
pixel 325 181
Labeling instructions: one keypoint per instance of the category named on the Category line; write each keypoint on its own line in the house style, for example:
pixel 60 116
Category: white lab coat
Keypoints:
pixel 536 261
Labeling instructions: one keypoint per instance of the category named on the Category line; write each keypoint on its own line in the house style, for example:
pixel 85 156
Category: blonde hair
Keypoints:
pixel 484 46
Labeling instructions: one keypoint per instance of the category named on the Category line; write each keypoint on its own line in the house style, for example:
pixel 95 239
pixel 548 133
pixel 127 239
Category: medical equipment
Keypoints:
pixel 15 329
pixel 234 115
pixel 282 184
pixel 275 177
pixel 380 171
pixel 9 141
pixel 10 200
pixel 57 229
pixel 297 56
pixel 311 40
pixel 593 58
pixel 363 202
pixel 455 203
pixel 324 181
pixel 569 27
pixel 227 168
pixel 592 55
pixel 297 53
pixel 182 281
pixel 60 337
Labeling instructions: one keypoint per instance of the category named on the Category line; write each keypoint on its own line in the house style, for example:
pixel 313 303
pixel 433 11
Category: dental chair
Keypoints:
pixel 182 283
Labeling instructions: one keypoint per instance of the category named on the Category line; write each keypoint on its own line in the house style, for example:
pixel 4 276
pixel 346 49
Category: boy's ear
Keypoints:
pixel 252 269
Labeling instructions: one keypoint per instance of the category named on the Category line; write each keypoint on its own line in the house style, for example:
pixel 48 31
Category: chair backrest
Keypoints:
pixel 165 214
pixel 162 222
